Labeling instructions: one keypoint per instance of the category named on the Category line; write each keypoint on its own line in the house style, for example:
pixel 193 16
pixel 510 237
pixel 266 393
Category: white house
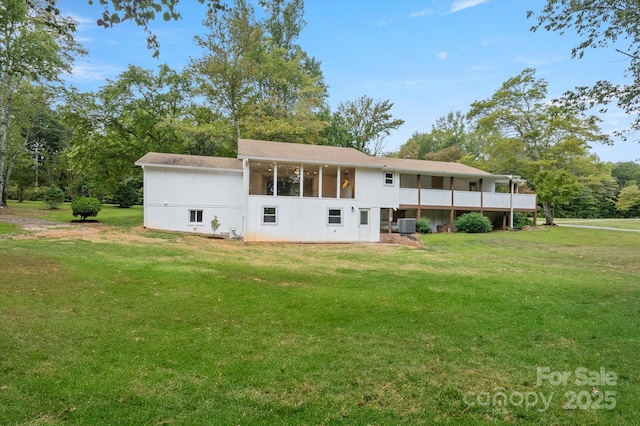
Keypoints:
pixel 278 191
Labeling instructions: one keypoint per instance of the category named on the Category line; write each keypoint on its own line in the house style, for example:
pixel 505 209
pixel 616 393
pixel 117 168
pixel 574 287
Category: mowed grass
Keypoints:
pixel 607 223
pixel 187 330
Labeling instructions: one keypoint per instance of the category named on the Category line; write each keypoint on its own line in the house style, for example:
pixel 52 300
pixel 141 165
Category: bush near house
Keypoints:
pixel 473 223
pixel 85 207
pixel 423 226
pixel 520 220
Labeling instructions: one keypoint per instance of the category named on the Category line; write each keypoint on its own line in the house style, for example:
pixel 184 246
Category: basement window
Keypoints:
pixel 334 217
pixel 269 215
pixel 195 216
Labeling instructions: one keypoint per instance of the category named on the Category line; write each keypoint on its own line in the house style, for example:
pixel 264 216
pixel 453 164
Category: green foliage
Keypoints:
pixel 448 140
pixel 368 123
pixel 254 74
pixel 520 220
pixel 629 199
pixel 600 24
pixel 215 224
pixel 423 226
pixel 473 223
pixel 37 44
pixel 127 193
pixel 85 207
pixel 53 196
pixel 554 188
pixel 142 13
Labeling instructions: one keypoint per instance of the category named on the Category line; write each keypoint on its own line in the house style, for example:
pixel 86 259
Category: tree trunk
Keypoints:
pixel 548 213
pixel 5 107
pixel 3 155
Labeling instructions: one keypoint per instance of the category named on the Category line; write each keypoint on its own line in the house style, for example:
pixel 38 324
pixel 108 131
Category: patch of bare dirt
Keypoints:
pixel 411 240
pixel 98 232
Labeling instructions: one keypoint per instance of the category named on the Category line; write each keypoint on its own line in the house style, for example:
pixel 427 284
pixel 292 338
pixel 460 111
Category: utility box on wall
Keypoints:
pixel 407 226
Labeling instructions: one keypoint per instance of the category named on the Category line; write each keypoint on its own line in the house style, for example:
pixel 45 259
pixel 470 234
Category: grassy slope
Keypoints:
pixel 188 331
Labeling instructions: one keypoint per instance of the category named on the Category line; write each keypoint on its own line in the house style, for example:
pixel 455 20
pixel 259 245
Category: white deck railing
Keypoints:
pixel 466 199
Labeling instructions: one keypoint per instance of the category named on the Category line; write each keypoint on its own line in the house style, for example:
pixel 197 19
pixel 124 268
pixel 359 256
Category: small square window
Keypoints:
pixel 334 217
pixel 195 216
pixel 269 216
pixel 388 178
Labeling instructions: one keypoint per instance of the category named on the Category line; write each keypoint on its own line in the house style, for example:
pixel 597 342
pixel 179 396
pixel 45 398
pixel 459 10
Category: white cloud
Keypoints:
pixel 87 72
pixel 442 55
pixel 421 13
pixel 385 22
pixel 534 62
pixel 82 20
pixel 459 5
pixel 483 68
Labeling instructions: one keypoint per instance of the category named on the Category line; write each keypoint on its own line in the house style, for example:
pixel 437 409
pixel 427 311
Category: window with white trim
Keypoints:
pixel 195 216
pixel 334 217
pixel 388 178
pixel 269 215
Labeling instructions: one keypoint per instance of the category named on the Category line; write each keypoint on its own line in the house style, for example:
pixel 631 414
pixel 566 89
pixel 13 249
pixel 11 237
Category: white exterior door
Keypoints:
pixel 363 225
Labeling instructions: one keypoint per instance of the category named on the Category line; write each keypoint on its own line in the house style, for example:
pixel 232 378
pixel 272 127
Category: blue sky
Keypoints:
pixel 427 57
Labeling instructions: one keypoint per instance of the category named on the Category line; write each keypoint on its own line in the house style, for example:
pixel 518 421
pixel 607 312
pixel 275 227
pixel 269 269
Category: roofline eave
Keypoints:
pixel 307 161
pixel 178 166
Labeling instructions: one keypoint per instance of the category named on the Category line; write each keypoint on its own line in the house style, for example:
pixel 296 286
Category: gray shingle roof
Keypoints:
pixel 273 151
pixel 183 160
pixel 319 154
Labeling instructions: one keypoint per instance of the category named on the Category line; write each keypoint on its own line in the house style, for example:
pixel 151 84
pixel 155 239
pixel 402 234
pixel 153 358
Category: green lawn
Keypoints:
pixel 607 223
pixel 187 330
pixel 109 215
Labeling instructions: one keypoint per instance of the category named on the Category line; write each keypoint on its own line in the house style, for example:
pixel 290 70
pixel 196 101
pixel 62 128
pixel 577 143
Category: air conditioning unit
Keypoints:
pixel 406 226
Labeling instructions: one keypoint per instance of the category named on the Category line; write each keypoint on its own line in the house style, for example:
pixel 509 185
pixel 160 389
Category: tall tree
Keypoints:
pixel 368 123
pixel 535 137
pixel 140 111
pixel 255 74
pixel 448 140
pixel 37 44
pixel 226 72
pixel 600 23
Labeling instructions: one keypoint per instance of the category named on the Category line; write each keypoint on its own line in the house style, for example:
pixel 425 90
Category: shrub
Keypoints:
pixel 53 196
pixel 215 224
pixel 423 226
pixel 85 207
pixel 473 223
pixel 520 220
pixel 127 193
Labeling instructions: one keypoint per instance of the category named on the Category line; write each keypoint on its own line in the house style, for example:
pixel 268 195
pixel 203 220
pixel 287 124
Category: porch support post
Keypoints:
pixel 504 221
pixel 451 213
pixel 389 220
pixel 419 201
pixel 481 201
